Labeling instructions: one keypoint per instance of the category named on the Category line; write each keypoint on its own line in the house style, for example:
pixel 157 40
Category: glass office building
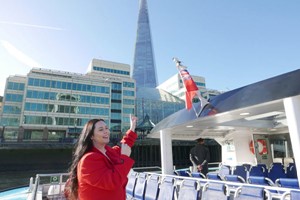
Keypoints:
pixel 54 105
pixel 144 70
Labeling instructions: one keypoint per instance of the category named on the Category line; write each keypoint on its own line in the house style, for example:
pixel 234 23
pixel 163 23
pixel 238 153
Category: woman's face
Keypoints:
pixel 101 134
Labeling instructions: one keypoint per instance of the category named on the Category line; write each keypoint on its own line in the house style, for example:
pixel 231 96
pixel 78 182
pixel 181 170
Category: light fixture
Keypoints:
pixel 245 113
pixel 189 126
pixel 264 115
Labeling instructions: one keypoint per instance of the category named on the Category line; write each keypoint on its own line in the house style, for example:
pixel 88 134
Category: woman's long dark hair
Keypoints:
pixel 84 145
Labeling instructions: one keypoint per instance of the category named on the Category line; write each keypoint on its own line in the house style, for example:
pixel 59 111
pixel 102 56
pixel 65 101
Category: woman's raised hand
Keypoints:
pixel 133 121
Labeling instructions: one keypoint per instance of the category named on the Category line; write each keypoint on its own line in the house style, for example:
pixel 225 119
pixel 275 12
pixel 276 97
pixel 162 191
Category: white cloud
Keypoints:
pixel 19 55
pixel 31 25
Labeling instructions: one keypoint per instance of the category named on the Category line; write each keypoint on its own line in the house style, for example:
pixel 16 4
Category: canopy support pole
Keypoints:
pixel 292 110
pixel 166 152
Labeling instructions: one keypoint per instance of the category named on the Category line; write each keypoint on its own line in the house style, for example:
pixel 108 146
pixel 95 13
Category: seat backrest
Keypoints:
pixel 264 167
pixel 251 192
pixel 295 195
pixel 139 190
pixel 234 178
pixel 291 195
pixel 167 189
pixel 152 187
pixel 197 175
pixel 224 170
pixel 132 177
pixel 287 182
pixel 213 176
pixel 256 171
pixel 291 171
pixel 189 190
pixel 182 172
pixel 276 171
pixel 260 180
pixel 215 191
pixel 240 170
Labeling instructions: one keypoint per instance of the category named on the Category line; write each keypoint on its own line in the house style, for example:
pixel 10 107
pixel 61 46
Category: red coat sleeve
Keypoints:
pixel 95 170
pixel 129 138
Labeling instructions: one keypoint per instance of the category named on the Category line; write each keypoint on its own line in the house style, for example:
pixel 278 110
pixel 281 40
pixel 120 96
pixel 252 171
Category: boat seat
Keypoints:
pixel 213 190
pixel 167 189
pixel 189 189
pixel 251 193
pixel 140 185
pixel 291 195
pixel 56 192
pixel 234 178
pixel 132 177
pixel 287 182
pixel 152 187
pixel 241 171
pixel 197 175
pixel 213 176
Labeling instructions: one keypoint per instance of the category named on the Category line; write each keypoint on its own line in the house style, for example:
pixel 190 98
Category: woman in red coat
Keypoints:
pixel 98 171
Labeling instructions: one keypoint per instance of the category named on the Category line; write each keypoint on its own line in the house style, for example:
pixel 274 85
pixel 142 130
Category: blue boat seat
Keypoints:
pixel 291 170
pixel 276 171
pixel 287 182
pixel 189 190
pixel 139 190
pixel 241 171
pixel 152 187
pixel 234 178
pixel 213 190
pixel 291 195
pixel 256 171
pixel 197 175
pixel 213 176
pixel 132 177
pixel 182 172
pixel 251 192
pixel 260 180
pixel 167 189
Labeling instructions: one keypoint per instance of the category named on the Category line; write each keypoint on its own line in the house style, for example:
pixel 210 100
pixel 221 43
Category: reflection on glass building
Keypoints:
pixel 156 103
pixel 54 105
pixel 144 70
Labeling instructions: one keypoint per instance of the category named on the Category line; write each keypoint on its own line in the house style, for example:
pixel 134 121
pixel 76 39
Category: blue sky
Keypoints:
pixel 231 43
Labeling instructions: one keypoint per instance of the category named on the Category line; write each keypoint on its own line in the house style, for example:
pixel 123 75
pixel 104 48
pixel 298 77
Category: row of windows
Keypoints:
pixel 12 109
pixel 128 93
pixel 14 97
pixel 65 121
pixel 38 107
pixel 128 101
pixel 67 85
pixel 15 86
pixel 114 71
pixel 128 84
pixel 66 97
pixel 116 86
pixel 10 121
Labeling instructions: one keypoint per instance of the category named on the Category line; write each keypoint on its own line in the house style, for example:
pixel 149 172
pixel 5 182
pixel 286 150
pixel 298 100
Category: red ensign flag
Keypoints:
pixel 190 86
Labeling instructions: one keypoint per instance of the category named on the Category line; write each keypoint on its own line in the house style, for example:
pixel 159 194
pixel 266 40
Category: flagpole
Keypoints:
pixel 179 66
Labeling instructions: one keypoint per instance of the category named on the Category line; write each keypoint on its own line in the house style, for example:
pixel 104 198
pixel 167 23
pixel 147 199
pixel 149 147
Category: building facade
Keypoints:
pixel 144 70
pixel 54 105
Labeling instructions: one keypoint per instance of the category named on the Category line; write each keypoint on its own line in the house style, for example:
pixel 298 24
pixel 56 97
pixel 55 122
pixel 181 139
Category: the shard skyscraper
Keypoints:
pixel 144 70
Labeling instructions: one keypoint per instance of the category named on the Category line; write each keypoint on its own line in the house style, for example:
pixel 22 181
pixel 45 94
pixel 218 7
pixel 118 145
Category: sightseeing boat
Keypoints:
pixel 258 128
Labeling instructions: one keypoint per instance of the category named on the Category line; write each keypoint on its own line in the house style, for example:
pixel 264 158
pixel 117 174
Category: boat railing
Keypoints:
pixel 50 185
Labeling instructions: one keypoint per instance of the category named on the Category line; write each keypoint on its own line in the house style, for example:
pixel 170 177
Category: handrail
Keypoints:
pixel 37 182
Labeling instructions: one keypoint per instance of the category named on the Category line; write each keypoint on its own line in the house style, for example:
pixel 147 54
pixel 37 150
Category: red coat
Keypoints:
pixel 100 178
